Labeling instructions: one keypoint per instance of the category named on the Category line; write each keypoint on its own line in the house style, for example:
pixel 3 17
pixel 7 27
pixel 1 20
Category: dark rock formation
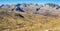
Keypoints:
pixel 58 7
pixel 19 15
pixel 18 4
pixel 19 9
pixel 37 11
pixel 51 4
pixel 2 5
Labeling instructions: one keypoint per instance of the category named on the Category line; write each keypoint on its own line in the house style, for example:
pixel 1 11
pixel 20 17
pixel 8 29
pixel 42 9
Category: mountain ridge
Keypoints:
pixel 29 18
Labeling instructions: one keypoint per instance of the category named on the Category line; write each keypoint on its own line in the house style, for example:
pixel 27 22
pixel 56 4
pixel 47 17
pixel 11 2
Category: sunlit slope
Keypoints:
pixel 15 21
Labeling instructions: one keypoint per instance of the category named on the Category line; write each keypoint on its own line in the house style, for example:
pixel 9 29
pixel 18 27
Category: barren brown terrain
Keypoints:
pixel 25 21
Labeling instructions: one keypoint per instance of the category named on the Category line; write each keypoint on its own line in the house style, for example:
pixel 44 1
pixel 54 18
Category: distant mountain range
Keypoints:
pixel 45 9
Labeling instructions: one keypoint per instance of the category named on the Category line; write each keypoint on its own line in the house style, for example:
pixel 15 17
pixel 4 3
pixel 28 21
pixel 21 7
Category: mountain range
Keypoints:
pixel 30 17
pixel 45 9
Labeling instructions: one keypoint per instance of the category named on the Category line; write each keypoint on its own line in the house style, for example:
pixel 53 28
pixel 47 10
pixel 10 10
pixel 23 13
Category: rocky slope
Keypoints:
pixel 48 19
pixel 21 21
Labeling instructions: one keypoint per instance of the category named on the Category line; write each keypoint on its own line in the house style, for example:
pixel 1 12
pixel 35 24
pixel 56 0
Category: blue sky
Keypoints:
pixel 29 1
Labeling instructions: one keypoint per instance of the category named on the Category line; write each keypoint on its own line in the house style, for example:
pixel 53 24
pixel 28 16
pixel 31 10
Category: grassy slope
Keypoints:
pixel 31 22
